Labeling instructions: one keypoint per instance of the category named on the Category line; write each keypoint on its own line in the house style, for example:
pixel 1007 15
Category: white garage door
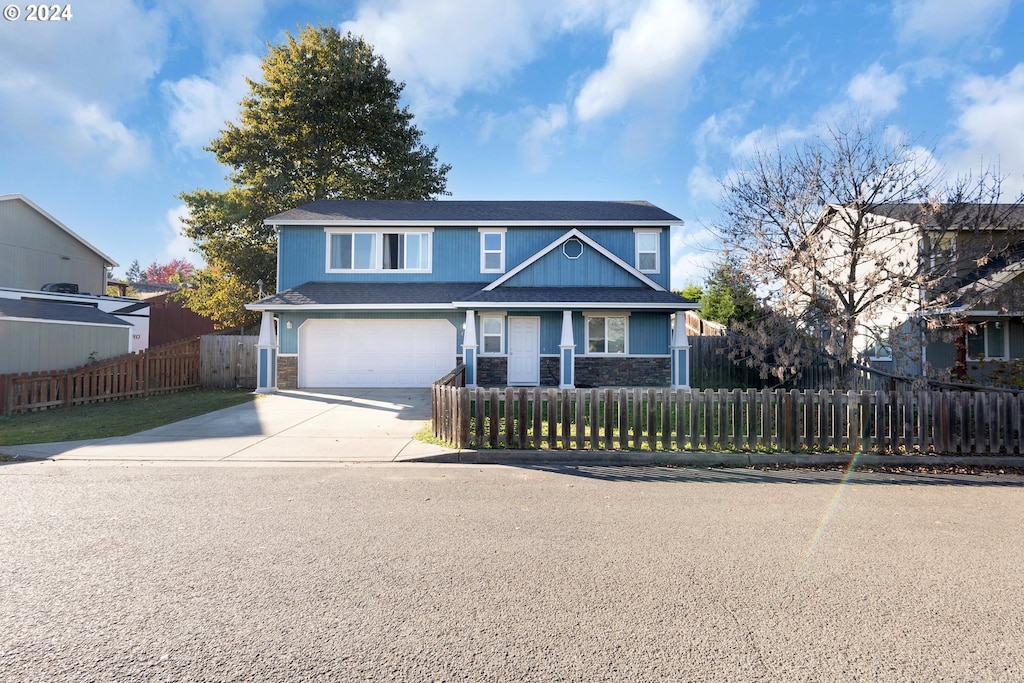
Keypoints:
pixel 375 353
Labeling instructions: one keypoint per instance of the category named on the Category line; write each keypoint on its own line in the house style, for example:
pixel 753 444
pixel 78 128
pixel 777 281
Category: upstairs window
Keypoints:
pixel 378 251
pixel 492 251
pixel 648 256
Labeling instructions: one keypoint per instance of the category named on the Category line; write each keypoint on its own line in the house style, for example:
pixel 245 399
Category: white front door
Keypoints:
pixel 524 351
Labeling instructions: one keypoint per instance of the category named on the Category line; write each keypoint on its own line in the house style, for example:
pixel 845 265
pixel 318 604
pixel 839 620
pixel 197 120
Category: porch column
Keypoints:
pixel 469 347
pixel 567 354
pixel 680 353
pixel 266 356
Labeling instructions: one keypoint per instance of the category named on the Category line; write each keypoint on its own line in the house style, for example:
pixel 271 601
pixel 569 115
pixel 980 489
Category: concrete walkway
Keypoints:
pixel 377 426
pixel 329 425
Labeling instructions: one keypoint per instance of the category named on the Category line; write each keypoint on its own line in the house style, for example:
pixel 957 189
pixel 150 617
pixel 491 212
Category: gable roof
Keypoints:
pixel 574 233
pixel 368 295
pixel 461 295
pixel 560 298
pixel 960 215
pixel 450 212
pixel 32 205
pixel 35 309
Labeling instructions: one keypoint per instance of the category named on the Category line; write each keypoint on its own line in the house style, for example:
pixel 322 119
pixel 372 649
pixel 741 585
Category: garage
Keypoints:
pixel 375 352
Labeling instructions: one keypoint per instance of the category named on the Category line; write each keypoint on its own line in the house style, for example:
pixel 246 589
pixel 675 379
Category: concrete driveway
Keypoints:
pixel 319 425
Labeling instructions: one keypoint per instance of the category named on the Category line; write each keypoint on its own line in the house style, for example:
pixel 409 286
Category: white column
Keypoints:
pixel 680 353
pixel 266 356
pixel 567 354
pixel 469 349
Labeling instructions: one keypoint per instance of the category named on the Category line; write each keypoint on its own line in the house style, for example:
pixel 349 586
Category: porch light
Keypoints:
pixel 288 324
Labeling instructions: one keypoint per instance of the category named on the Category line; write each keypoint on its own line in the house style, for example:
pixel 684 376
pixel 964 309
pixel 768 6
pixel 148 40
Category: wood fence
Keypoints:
pixel 447 413
pixel 956 423
pixel 157 370
pixel 228 361
pixel 711 367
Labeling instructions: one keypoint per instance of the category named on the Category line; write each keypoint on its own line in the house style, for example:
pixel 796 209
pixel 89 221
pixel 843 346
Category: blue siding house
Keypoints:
pixel 525 293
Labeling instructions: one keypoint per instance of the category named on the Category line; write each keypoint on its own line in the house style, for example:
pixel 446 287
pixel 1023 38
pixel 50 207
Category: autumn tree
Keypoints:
pixel 175 270
pixel 845 235
pixel 325 122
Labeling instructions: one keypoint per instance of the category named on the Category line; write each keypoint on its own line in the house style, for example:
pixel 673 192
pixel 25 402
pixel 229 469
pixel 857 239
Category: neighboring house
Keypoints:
pixel 969 253
pixel 36 249
pixel 38 335
pixel 54 312
pixel 526 293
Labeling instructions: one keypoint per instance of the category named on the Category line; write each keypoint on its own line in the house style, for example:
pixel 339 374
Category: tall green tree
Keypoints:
pixel 325 122
pixel 728 295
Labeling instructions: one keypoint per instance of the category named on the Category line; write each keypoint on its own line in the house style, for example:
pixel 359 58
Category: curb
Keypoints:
pixel 655 459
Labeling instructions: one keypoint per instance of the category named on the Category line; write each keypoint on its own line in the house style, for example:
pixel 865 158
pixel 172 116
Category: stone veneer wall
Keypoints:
pixel 623 372
pixel 287 372
pixel 492 371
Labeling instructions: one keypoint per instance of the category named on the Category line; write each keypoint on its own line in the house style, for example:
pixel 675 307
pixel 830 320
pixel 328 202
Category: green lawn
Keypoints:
pixel 115 418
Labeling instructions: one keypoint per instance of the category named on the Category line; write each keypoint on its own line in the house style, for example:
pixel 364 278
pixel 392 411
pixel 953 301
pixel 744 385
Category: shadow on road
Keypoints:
pixel 789 476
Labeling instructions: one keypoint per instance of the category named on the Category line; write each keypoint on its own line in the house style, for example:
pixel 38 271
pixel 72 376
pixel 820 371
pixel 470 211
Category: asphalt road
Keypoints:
pixel 464 573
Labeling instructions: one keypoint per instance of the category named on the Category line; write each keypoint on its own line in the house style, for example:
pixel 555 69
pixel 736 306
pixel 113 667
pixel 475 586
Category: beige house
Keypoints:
pixel 36 249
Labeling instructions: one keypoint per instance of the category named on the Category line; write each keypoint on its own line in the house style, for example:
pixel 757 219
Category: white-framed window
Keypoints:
pixel 492 250
pixel 879 347
pixel 648 250
pixel 606 333
pixel 378 250
pixel 492 334
pixel 989 341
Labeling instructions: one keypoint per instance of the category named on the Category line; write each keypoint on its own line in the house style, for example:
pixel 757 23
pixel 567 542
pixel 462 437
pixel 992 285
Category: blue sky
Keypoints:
pixel 103 117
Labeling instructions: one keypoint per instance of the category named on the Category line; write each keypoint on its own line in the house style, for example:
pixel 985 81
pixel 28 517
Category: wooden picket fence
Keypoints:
pixel 158 370
pixel 961 423
pixel 228 361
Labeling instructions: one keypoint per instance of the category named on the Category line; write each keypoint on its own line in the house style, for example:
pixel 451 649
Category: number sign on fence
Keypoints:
pixel 979 423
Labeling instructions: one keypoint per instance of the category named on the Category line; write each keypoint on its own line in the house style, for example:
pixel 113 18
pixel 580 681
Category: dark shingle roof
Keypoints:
pixel 504 212
pixel 443 294
pixel 370 293
pixel 591 295
pixel 48 310
pixel 961 216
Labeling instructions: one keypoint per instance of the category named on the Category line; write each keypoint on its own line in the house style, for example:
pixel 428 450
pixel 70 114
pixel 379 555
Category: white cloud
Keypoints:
pixel 876 92
pixel 62 85
pixel 443 48
pixel 178 245
pixel 94 132
pixel 200 106
pixel 938 24
pixel 539 142
pixel 703 185
pixel 990 127
pixel 660 49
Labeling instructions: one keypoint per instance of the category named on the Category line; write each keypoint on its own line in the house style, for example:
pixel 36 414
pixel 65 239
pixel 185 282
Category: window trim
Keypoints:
pixel 378 248
pixel 587 317
pixel 483 251
pixel 637 232
pixel 501 335
pixel 983 332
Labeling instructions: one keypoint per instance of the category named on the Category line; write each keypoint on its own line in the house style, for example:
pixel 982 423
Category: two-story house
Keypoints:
pixel 526 293
pixel 958 275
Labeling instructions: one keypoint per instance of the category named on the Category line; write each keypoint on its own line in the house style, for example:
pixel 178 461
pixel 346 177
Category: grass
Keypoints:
pixel 115 418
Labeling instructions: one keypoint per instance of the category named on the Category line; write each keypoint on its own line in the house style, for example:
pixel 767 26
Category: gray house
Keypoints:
pixel 36 249
pixel 53 330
